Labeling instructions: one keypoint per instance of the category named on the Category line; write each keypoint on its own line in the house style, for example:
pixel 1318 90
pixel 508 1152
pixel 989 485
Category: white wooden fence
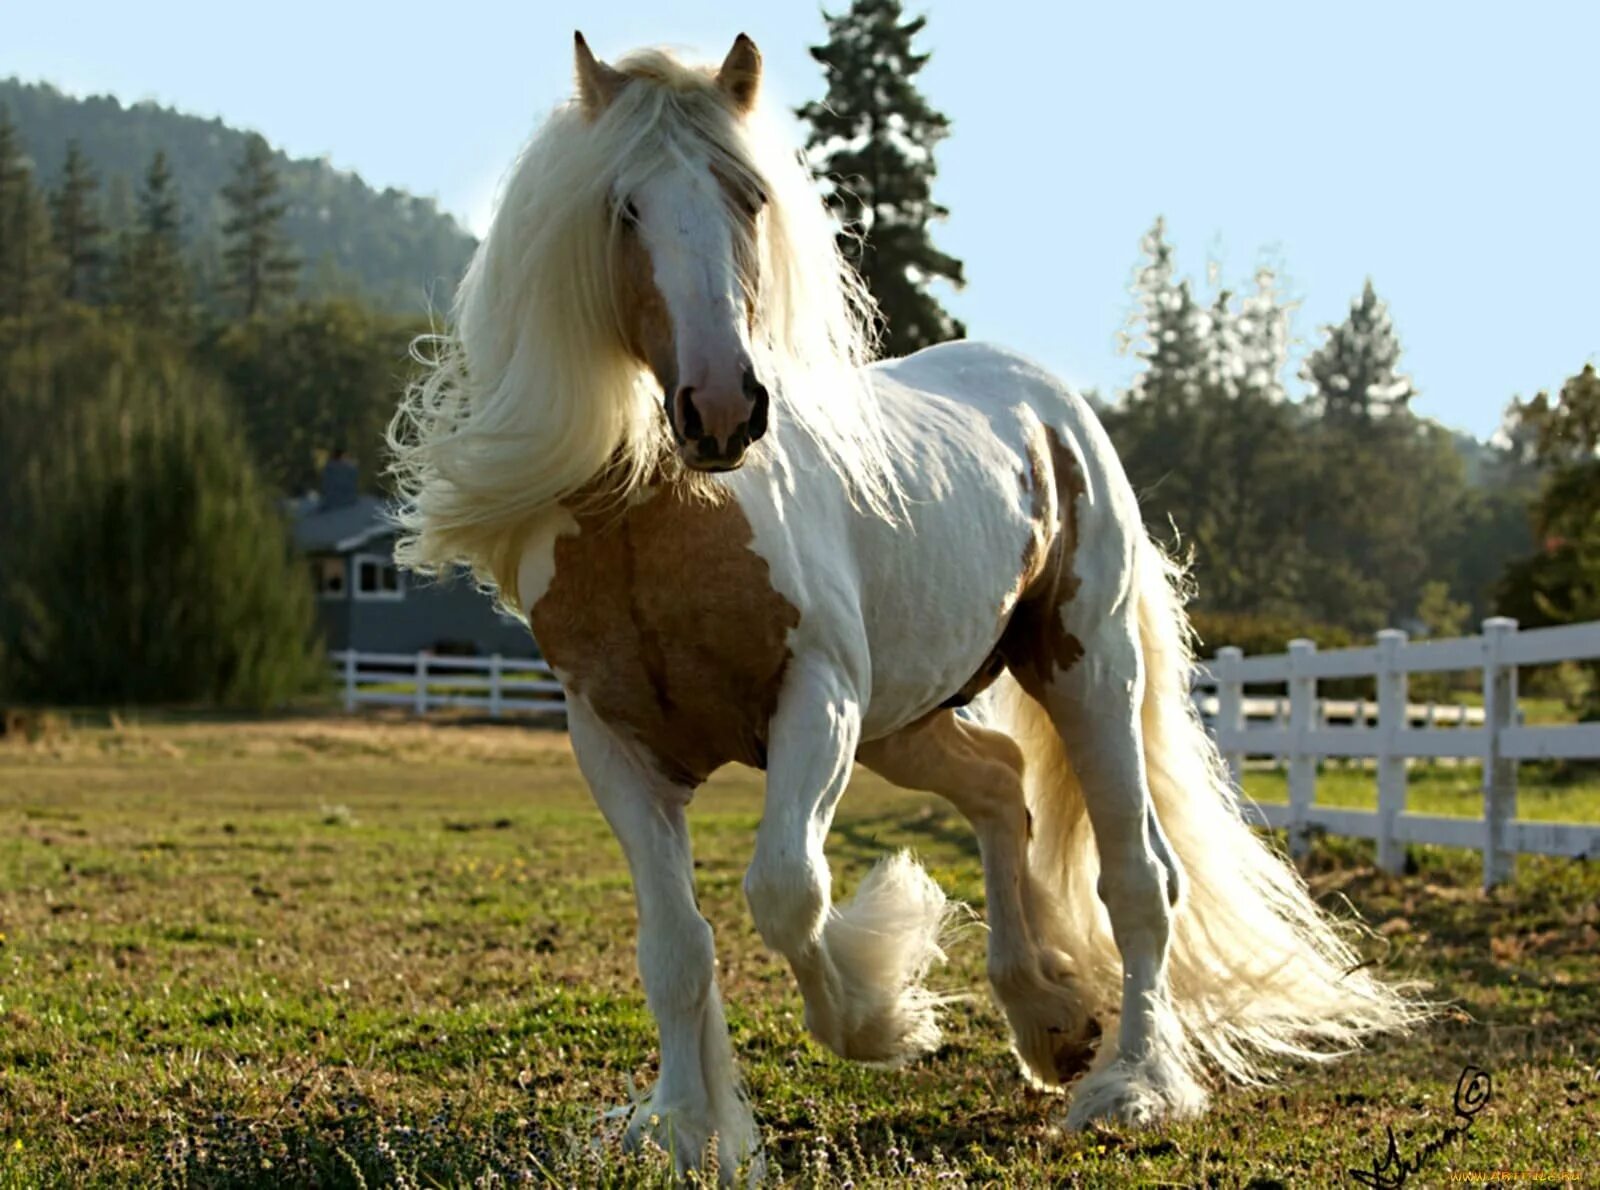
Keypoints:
pixel 1500 742
pixel 428 681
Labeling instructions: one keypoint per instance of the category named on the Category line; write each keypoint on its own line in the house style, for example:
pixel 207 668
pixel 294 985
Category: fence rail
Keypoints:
pixel 1498 739
pixel 426 681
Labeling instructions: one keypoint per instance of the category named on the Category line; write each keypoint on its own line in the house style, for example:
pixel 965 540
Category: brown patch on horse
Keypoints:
pixel 1036 644
pixel 664 618
pixel 1043 514
pixel 642 314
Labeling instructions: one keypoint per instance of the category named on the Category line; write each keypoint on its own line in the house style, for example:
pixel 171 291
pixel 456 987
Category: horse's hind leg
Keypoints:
pixel 860 965
pixel 1096 705
pixel 697 1095
pixel 979 771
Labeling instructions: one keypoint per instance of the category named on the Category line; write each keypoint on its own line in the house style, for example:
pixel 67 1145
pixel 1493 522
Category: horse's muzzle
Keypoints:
pixel 715 430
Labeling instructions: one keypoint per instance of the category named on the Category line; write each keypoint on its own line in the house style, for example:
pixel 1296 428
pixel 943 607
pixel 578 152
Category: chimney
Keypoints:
pixel 341 481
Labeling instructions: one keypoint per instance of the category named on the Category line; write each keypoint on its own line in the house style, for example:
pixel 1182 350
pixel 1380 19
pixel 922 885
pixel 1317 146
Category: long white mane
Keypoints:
pixel 533 397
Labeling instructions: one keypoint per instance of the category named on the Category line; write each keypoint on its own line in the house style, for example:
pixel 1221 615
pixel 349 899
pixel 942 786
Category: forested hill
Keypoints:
pixel 391 248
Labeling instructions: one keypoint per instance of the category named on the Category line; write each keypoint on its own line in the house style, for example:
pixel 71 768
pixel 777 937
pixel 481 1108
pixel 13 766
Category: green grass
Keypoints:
pixel 1545 793
pixel 342 953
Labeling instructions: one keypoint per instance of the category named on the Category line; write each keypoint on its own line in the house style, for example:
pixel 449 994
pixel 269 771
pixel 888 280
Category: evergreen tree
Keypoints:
pixel 310 376
pixel 151 281
pixel 79 230
pixel 152 563
pixel 29 265
pixel 874 136
pixel 14 178
pixel 1355 375
pixel 259 265
pixel 1391 485
pixel 1205 432
pixel 1167 331
pixel 1560 584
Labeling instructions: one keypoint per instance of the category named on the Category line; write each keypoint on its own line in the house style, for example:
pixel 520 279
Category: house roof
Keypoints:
pixel 343 528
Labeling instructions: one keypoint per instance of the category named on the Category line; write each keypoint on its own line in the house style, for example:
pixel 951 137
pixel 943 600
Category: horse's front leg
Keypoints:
pixel 861 965
pixel 697 1095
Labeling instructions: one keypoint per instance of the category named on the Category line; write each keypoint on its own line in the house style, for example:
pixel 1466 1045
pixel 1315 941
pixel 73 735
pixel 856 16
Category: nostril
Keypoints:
pixel 756 426
pixel 690 424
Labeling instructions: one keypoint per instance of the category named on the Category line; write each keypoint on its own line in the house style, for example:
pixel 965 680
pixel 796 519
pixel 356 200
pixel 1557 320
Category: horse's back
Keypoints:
pixel 1011 476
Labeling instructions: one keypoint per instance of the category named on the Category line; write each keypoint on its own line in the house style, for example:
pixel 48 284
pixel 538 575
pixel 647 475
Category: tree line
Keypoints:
pixel 149 433
pixel 387 248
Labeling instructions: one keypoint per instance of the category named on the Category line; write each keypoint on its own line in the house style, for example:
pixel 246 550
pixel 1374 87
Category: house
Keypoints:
pixel 365 602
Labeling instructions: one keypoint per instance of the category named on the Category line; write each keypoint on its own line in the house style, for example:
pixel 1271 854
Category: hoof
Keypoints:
pixel 1075 1054
pixel 1054 1037
pixel 1135 1095
pixel 695 1142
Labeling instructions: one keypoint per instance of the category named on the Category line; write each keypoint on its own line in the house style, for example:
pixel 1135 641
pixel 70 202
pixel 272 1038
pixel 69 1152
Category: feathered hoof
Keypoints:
pixel 1054 1037
pixel 881 946
pixel 1136 1094
pixel 687 1137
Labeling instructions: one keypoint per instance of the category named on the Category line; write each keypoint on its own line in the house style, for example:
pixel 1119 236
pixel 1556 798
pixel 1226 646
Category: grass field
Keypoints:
pixel 336 952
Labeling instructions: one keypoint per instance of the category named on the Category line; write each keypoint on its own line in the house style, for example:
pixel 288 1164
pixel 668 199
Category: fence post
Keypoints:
pixel 349 680
pixel 420 701
pixel 1280 720
pixel 1391 760
pixel 1499 773
pixel 494 687
pixel 1302 762
pixel 1230 711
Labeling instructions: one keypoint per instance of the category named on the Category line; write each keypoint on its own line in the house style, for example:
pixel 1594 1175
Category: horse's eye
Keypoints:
pixel 758 199
pixel 630 214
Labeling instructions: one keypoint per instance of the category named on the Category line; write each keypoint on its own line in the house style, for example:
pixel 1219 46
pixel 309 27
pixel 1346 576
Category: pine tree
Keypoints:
pixel 153 564
pixel 29 265
pixel 1355 375
pixel 1390 482
pixel 258 263
pixel 79 229
pixel 874 135
pixel 1167 332
pixel 151 281
pixel 1204 430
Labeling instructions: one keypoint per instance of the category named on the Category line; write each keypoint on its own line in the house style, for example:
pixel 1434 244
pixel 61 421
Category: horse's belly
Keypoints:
pixel 666 622
pixel 938 604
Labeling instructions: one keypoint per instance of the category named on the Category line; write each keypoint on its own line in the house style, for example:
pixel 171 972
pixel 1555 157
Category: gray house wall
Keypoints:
pixel 450 615
pixel 433 615
pixel 436 615
pixel 334 617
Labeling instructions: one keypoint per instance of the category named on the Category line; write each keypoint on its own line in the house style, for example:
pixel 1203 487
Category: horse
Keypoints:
pixel 652 430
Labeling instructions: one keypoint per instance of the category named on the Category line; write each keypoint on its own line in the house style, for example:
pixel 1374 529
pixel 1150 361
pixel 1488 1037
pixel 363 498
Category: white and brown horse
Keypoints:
pixel 651 431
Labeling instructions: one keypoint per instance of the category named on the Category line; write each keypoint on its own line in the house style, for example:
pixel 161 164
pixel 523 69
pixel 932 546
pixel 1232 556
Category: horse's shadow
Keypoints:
pixel 863 839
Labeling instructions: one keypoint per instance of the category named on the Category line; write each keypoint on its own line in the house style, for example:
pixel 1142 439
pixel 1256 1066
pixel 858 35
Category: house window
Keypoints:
pixel 377 577
pixel 328 576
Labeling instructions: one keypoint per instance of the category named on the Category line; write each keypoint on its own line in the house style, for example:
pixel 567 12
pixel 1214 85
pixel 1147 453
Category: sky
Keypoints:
pixel 1451 152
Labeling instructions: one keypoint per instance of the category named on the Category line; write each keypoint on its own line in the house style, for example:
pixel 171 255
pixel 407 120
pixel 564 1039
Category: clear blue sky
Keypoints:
pixel 1448 150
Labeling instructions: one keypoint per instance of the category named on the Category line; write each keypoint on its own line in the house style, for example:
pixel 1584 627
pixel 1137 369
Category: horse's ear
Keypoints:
pixel 740 76
pixel 598 84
